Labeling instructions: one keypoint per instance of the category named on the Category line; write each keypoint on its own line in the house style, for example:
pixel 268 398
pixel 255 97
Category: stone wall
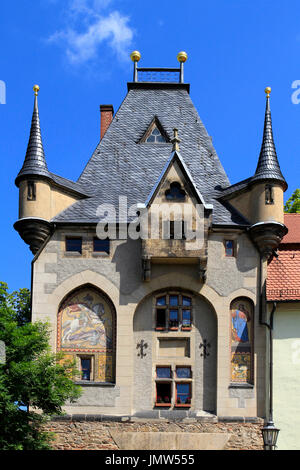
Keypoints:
pixel 89 433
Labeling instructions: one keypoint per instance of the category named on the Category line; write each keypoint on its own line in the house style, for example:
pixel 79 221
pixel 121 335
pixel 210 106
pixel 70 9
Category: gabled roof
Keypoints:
pixel 176 156
pixel 122 166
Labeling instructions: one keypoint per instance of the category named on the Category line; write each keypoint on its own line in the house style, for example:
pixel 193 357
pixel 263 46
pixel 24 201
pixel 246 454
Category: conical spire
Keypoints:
pixel 35 161
pixel 268 165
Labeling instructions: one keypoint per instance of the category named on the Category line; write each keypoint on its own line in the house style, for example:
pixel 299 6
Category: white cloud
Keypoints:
pixel 90 31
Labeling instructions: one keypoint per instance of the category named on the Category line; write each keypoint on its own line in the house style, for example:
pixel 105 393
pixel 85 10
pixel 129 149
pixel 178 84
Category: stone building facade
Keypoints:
pixel 157 329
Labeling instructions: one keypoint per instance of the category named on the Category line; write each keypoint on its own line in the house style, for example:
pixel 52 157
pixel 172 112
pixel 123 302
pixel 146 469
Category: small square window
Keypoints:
pixel 101 245
pixel 183 372
pixel 229 247
pixel 161 301
pixel 186 301
pixel 174 300
pixel 163 372
pixel 74 244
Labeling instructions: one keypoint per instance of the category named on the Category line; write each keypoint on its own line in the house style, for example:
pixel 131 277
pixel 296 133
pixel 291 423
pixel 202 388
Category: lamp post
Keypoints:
pixel 269 431
pixel 270 435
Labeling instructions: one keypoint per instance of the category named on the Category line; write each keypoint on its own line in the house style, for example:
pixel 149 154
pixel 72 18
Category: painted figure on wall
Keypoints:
pixel 241 341
pixel 240 320
pixel 86 322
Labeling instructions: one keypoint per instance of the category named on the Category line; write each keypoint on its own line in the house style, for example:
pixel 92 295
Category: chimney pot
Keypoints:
pixel 106 116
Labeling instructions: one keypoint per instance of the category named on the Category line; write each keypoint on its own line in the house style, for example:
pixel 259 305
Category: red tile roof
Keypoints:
pixel 283 280
pixel 292 221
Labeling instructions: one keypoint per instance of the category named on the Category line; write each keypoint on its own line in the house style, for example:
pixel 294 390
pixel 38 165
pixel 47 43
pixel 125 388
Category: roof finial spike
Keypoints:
pixel 135 57
pixel 268 90
pixel 36 89
pixel 175 141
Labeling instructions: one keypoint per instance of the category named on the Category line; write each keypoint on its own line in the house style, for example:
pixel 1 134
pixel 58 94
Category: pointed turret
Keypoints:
pixel 268 167
pixel 35 161
pixel 34 182
pixel 268 186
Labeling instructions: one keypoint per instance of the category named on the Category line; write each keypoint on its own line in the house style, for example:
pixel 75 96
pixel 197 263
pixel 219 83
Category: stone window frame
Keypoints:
pixel 173 381
pixel 180 308
pixel 250 383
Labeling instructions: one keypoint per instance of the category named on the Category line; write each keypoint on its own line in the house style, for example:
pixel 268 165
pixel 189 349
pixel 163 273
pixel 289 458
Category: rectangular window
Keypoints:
pixel 163 393
pixel 86 367
pixel 74 244
pixel 186 318
pixel 31 191
pixel 173 319
pixel 101 246
pixel 174 300
pixel 183 394
pixel 229 248
pixel 269 194
pixel 163 372
pixel 160 318
pixel 183 372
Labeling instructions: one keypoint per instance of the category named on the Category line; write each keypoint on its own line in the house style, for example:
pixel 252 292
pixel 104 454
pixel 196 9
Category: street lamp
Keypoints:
pixel 270 435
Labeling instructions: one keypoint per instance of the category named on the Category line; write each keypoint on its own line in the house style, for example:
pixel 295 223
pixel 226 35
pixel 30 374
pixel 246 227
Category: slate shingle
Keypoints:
pixel 122 166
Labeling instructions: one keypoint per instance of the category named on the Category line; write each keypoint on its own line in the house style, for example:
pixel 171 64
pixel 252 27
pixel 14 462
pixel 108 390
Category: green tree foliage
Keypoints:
pixel 293 203
pixel 34 382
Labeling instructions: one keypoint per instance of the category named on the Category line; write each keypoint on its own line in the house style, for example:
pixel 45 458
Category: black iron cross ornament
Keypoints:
pixel 205 345
pixel 142 345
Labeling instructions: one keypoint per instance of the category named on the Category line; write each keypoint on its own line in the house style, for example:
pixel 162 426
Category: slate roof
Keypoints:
pixel 122 166
pixel 35 161
pixel 283 280
pixel 268 166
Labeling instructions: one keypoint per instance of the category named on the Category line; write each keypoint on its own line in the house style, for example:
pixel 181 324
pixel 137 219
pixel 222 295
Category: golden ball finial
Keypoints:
pixel 268 91
pixel 182 56
pixel 135 56
pixel 36 89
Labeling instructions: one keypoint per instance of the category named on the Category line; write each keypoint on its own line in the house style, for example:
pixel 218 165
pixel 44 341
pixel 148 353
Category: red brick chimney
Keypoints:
pixel 106 116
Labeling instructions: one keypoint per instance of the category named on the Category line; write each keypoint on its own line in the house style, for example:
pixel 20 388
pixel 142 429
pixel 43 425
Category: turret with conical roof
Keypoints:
pixel 33 181
pixel 35 161
pixel 268 167
pixel 268 185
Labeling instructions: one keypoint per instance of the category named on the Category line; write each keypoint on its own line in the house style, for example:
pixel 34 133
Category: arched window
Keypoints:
pixel 241 340
pixel 86 332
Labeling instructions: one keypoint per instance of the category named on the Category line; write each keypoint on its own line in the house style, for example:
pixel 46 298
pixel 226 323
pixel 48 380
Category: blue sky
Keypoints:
pixel 78 53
